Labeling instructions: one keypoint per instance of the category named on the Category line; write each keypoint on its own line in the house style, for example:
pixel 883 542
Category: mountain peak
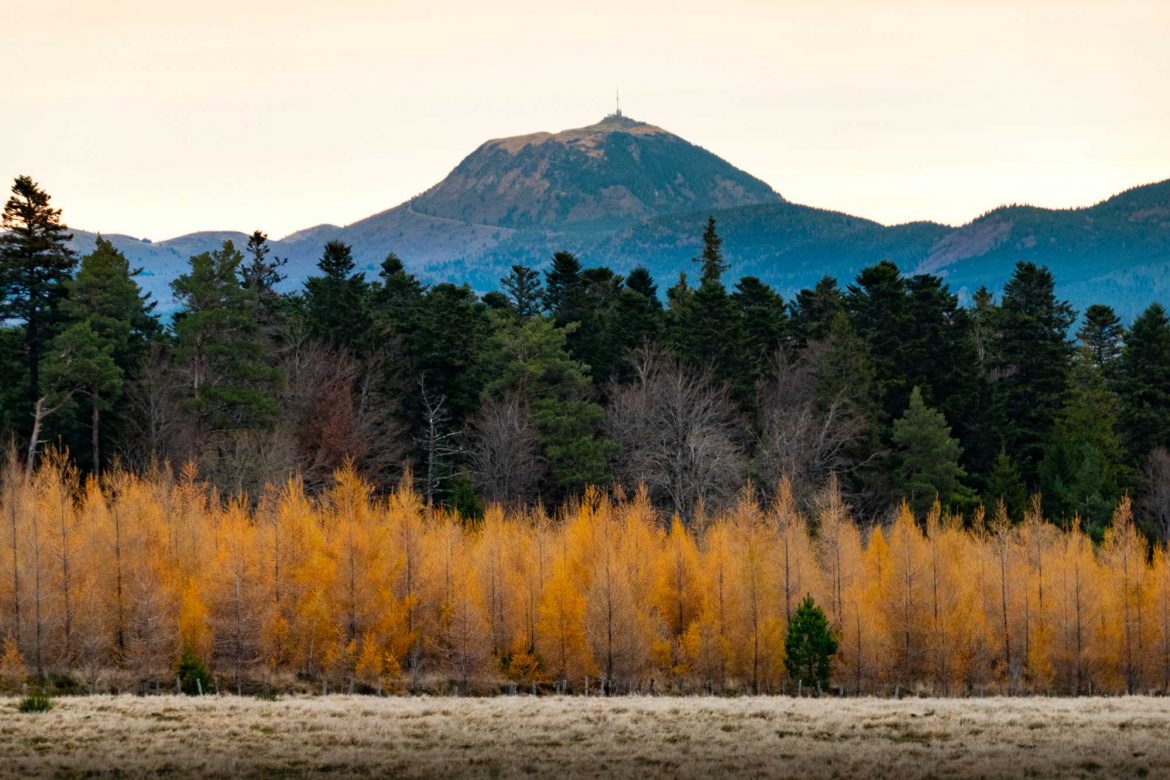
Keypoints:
pixel 607 174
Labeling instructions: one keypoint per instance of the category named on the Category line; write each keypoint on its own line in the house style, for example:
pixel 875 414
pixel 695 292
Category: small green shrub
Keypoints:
pixel 193 677
pixel 37 702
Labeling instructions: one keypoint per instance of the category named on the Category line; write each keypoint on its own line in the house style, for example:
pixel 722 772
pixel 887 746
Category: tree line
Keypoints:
pixel 578 376
pixel 117 583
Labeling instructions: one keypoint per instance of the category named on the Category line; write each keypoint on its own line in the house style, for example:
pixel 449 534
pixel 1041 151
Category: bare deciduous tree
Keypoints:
pixel 505 453
pixel 438 441
pixel 153 411
pixel 677 432
pixel 801 435
pixel 338 414
pixel 1154 500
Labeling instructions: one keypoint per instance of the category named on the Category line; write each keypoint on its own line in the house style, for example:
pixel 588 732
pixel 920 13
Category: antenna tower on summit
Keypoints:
pixel 618 101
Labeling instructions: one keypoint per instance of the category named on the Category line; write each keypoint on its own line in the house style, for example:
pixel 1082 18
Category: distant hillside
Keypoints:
pixel 626 193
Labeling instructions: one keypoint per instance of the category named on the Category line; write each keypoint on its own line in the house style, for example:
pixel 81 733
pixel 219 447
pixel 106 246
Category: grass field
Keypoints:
pixel 630 737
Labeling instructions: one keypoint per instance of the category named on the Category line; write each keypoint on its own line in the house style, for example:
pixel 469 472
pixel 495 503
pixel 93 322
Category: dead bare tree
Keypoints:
pixel 439 442
pixel 153 411
pixel 677 432
pixel 1154 499
pixel 336 412
pixel 801 434
pixel 506 464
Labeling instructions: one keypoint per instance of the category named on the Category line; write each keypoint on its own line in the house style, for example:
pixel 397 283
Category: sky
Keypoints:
pixel 157 119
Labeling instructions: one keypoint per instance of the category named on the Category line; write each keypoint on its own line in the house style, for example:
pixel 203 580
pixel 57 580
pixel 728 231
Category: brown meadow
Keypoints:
pixel 632 736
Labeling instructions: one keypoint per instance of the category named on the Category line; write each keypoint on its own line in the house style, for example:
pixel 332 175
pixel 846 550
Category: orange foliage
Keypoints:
pixel 376 593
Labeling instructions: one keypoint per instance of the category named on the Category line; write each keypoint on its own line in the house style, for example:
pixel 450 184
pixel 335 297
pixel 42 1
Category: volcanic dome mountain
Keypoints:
pixel 623 193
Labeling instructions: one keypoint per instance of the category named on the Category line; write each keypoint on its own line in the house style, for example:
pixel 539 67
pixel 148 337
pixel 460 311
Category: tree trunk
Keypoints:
pixel 95 417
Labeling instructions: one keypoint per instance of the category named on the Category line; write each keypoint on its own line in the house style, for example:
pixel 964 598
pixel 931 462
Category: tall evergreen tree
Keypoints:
pixel 524 291
pixel 447 348
pixel 1144 384
pixel 336 300
pixel 1081 473
pixel 1004 484
pixel 35 264
pixel 529 361
pixel 704 325
pixel 815 310
pixel 79 361
pixel 260 274
pixel 1033 357
pixel 928 458
pixel 230 386
pixel 563 287
pixel 711 261
pixel 765 322
pixel 1102 334
pixel 106 306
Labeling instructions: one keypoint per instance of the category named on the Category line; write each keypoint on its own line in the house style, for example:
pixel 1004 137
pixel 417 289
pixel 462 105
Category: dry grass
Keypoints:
pixel 632 737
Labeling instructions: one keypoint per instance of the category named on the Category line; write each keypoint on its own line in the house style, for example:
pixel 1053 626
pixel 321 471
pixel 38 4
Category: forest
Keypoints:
pixel 381 483
pixel 576 377
pixel 148 583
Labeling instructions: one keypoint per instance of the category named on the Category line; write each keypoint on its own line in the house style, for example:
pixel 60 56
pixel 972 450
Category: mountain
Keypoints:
pixel 624 193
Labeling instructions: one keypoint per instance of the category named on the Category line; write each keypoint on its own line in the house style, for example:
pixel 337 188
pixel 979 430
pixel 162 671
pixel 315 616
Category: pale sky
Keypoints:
pixel 160 118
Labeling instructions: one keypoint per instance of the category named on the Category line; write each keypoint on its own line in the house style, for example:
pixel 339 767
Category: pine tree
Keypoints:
pixel 1080 475
pixel 258 273
pixel 765 322
pixel 713 265
pixel 815 310
pixel 524 291
pixel 35 264
pixel 104 297
pixel 1004 484
pixel 809 647
pixel 928 458
pixel 1144 384
pixel 78 361
pixel 335 302
pixel 529 361
pixel 1102 334
pixel 231 387
pixel 1033 357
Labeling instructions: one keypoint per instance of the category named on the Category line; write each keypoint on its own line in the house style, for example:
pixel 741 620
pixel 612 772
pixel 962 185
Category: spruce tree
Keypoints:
pixel 335 301
pixel 35 264
pixel 1004 484
pixel 522 286
pixel 765 322
pixel 1081 473
pixel 927 458
pixel 529 361
pixel 1033 357
pixel 1143 377
pixel 711 261
pixel 1102 334
pixel 815 310
pixel 107 301
pixel 809 647
pixel 230 385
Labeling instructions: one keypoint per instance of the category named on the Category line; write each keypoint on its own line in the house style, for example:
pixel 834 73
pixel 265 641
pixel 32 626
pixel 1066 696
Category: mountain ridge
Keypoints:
pixel 621 192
